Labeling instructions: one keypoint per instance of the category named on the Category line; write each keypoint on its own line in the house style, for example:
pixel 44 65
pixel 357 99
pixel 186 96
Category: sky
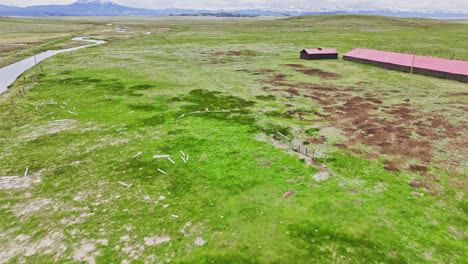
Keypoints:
pixel 301 5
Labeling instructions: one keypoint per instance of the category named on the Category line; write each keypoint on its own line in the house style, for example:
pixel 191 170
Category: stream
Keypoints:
pixel 10 73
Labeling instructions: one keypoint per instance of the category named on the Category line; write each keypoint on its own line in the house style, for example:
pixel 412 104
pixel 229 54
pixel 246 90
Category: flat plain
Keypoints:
pixel 212 93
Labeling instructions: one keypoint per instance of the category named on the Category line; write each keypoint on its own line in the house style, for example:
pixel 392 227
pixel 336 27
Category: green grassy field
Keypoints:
pixel 392 190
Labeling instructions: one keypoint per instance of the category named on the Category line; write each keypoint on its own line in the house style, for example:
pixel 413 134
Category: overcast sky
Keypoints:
pixel 307 5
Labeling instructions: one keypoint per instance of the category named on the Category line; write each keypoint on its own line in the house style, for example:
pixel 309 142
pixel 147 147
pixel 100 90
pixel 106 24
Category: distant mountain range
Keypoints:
pixel 109 8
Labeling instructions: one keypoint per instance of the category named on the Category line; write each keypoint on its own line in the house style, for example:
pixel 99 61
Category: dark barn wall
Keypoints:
pixel 305 56
pixel 428 72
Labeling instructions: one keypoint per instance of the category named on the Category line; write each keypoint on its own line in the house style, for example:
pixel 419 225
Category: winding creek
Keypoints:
pixel 10 73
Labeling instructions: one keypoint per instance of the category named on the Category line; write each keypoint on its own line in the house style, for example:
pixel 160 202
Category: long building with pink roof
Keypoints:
pixel 431 66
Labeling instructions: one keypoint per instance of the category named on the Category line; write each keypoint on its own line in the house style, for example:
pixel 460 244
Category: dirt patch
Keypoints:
pixel 418 168
pixel 31 206
pixel 432 189
pixel 86 252
pixel 321 176
pixel 262 71
pixel 31 133
pixel 314 72
pixel 457 183
pixel 391 166
pixel 453 230
pixel 16 182
pixel 340 146
pixel 21 247
pixel 156 240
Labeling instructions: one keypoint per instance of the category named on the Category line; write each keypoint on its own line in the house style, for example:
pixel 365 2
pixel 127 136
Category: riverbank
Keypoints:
pixel 9 74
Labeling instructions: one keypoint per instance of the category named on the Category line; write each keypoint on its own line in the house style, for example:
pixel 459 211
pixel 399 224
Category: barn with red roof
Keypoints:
pixel 431 66
pixel 318 54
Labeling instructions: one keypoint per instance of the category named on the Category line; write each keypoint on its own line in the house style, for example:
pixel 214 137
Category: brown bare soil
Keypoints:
pixel 391 165
pixel 340 146
pixel 418 168
pixel 314 72
pixel 401 130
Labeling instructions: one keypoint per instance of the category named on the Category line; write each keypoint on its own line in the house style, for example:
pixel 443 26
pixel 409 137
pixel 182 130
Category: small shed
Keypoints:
pixel 318 54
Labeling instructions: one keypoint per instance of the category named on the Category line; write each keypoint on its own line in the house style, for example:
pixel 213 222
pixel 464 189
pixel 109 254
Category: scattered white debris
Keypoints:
pixel 183 159
pixel 64 103
pixel 138 154
pixel 206 110
pixel 165 206
pixel 72 113
pixel 26 172
pixel 36 107
pixel 175 216
pixel 170 160
pixel 62 107
pixel 182 153
pixel 162 171
pixel 162 197
pixel 147 33
pixel 125 184
pixel 160 156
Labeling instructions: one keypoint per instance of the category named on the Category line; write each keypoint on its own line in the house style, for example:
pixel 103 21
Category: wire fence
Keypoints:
pixel 308 151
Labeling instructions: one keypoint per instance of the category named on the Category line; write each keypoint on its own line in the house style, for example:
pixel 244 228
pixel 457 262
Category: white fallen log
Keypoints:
pixel 170 160
pixel 182 153
pixel 125 184
pixel 175 216
pixel 8 177
pixel 183 159
pixel 26 172
pixel 138 154
pixel 72 113
pixel 162 171
pixel 187 156
pixel 160 156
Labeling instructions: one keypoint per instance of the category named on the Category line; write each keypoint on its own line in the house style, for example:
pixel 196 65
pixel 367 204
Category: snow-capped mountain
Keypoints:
pixel 110 8
pixel 100 2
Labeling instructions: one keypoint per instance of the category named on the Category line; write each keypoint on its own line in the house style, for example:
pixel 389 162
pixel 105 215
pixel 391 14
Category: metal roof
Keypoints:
pixel 423 62
pixel 321 51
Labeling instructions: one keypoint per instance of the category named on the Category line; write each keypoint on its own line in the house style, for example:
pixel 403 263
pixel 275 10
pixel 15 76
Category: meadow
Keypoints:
pixel 212 93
